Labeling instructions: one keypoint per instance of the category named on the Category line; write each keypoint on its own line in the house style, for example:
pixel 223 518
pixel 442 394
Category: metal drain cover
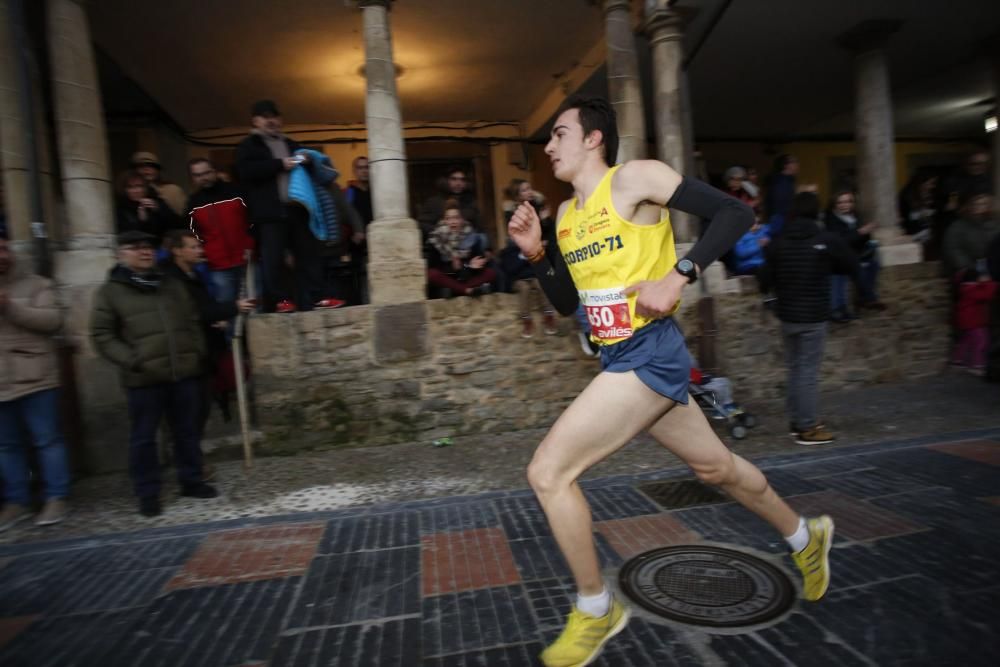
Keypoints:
pixel 707 586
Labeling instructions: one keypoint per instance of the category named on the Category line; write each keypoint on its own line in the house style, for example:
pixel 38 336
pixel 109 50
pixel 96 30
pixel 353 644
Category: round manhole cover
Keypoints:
pixel 707 586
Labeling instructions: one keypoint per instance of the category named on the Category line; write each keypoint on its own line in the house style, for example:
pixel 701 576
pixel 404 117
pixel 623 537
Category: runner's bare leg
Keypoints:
pixel 687 434
pixel 607 414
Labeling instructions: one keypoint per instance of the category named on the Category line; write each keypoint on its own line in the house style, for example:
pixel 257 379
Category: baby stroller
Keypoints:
pixel 715 397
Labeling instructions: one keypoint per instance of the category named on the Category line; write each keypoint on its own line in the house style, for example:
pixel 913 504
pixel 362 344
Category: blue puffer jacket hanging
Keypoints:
pixel 308 185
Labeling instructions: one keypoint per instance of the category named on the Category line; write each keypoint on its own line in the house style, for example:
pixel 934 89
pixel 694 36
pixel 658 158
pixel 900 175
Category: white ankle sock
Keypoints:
pixel 799 540
pixel 595 605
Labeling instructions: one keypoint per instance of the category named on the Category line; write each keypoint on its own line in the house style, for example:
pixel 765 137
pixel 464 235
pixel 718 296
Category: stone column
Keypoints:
pixel 88 247
pixel 623 81
pixel 83 148
pixel 14 146
pixel 875 137
pixel 397 273
pixel 664 27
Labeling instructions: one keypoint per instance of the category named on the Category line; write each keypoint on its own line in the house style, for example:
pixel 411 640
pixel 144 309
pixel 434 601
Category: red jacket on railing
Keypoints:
pixel 218 216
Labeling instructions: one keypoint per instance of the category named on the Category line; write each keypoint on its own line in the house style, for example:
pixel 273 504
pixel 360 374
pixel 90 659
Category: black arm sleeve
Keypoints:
pixel 729 219
pixel 553 275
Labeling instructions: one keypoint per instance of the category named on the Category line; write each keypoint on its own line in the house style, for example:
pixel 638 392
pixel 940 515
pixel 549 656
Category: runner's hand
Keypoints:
pixel 526 229
pixel 657 297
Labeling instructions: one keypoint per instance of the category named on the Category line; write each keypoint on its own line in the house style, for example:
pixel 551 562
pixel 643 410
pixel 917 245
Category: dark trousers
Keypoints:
pixel 290 233
pixel 803 356
pixel 181 403
pixel 439 278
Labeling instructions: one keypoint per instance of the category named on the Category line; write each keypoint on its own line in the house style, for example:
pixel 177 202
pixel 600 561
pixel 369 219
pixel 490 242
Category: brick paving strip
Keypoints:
pixel 478 580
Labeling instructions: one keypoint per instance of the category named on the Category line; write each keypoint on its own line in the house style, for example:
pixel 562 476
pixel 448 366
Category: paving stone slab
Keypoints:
pixel 382 531
pixel 349 588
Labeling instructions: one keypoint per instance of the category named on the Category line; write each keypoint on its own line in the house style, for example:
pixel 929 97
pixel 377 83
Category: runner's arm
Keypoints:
pixel 654 181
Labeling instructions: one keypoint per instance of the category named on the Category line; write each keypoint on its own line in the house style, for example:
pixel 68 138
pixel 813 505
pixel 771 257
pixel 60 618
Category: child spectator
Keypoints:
pixel 972 316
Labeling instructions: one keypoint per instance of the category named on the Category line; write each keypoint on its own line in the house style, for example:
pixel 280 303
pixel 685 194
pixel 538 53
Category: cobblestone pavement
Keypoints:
pixel 330 480
pixel 477 579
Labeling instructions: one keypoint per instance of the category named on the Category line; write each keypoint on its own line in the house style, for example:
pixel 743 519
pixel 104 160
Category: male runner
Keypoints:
pixel 614 252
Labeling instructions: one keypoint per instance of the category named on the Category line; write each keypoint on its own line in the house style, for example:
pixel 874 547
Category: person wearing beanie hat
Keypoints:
pixel 148 166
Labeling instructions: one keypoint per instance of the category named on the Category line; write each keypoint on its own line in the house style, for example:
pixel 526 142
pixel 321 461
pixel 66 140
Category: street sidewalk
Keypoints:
pixel 477 580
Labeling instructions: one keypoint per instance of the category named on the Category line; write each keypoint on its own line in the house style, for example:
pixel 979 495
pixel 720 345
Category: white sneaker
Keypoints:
pixel 54 512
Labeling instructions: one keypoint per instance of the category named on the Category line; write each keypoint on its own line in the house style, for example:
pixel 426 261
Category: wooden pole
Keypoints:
pixel 241 391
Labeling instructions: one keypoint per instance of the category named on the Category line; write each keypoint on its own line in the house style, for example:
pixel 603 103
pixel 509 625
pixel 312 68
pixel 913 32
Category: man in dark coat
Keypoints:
pixel 263 161
pixel 146 324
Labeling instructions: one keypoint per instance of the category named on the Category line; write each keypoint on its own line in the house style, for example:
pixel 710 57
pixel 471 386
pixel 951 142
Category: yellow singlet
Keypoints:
pixel 605 253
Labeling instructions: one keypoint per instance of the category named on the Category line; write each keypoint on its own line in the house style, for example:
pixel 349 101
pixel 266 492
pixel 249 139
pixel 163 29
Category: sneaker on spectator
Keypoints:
pixel 792 431
pixel 12 515
pixel 817 435
pixel 329 303
pixel 284 306
pixel 54 512
pixel 150 506
pixel 549 321
pixel 586 344
pixel 527 327
pixel 199 490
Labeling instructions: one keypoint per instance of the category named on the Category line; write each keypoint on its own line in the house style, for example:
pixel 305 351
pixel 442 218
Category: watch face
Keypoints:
pixel 685 266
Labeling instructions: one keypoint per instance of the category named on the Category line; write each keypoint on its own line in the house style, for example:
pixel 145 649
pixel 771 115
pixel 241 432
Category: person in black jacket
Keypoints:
pixel 798 268
pixel 140 209
pixel 263 160
pixel 186 253
pixel 842 219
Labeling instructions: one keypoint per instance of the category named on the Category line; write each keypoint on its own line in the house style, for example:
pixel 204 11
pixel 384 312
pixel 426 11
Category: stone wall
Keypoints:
pixel 318 386
pixel 909 340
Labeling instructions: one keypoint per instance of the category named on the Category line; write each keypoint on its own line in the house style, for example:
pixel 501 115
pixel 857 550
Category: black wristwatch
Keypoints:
pixel 686 268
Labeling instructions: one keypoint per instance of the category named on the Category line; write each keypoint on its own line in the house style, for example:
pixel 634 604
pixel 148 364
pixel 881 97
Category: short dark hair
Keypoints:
pixel 456 168
pixel 354 162
pixel 805 205
pixel 783 161
pixel 175 238
pixel 198 160
pixel 596 114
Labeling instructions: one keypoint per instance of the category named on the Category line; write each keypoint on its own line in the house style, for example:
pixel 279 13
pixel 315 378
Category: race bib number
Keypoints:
pixel 607 312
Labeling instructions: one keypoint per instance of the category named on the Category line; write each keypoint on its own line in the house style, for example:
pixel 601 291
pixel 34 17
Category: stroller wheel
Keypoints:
pixel 738 431
pixel 748 420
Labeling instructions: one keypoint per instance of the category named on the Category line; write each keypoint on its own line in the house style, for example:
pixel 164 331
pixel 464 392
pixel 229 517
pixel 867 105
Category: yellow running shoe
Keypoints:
pixel 585 635
pixel 814 560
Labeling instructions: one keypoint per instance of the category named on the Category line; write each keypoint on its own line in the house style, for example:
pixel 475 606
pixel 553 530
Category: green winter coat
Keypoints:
pixel 151 332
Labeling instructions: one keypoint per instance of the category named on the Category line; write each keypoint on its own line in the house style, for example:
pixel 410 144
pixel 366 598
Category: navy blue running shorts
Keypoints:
pixel 658 355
